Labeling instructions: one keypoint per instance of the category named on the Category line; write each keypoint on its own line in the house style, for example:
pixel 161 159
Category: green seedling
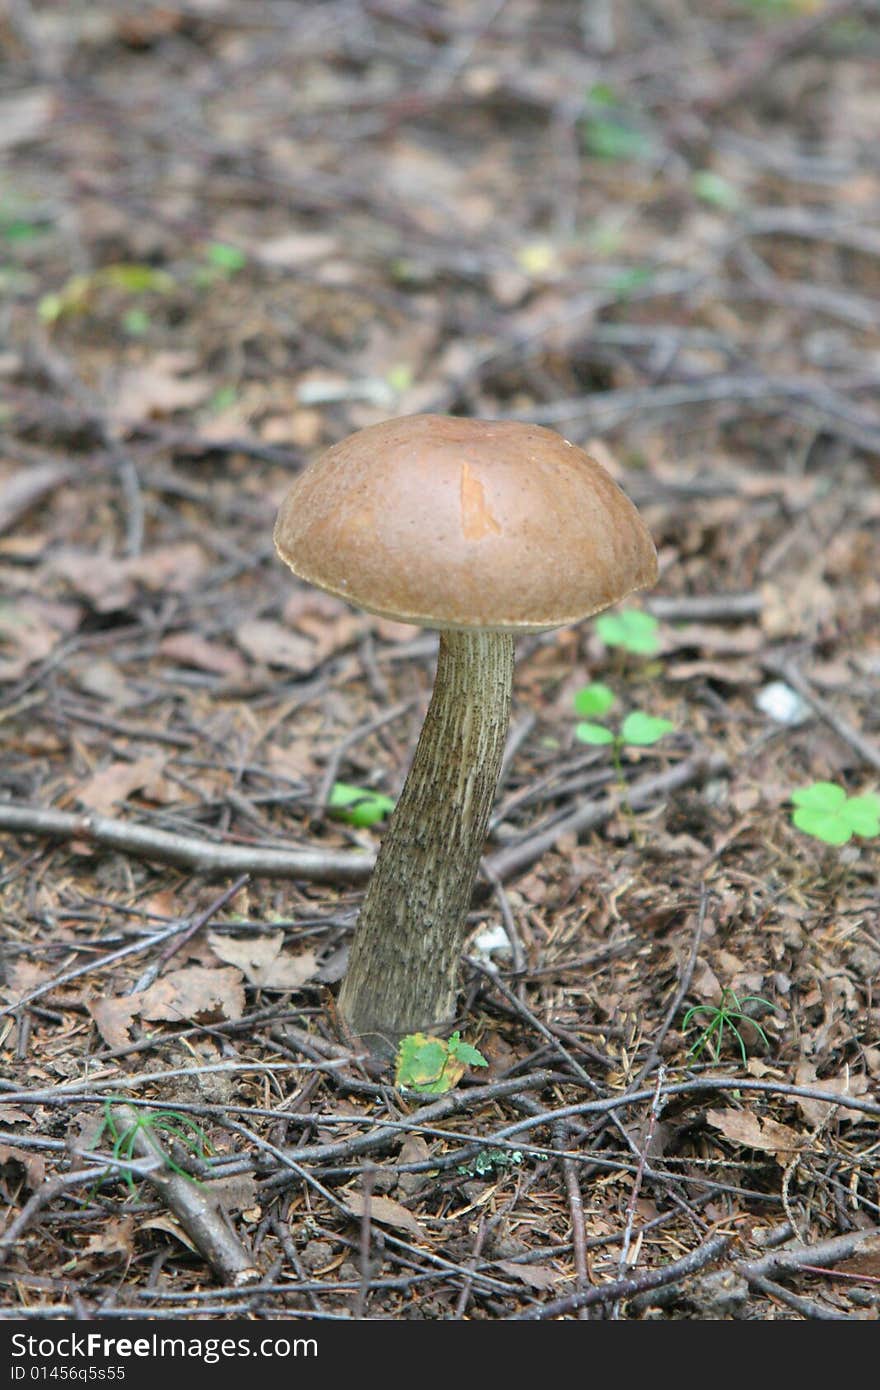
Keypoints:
pixel 77 295
pixel 429 1064
pixel 172 1122
pixel 824 811
pixel 722 1017
pixel 714 190
pixel 358 806
pixel 489 1161
pixel 632 629
pixel 221 262
pixel 638 728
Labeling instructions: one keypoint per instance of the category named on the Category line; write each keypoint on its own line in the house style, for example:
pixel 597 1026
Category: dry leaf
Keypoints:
pixel 192 650
pixel 263 961
pixel 175 567
pixel 114 1018
pixel 28 486
pixel 102 579
pixel 158 387
pixel 295 248
pixel 536 1276
pixel 194 993
pixel 816 1111
pixel 274 645
pixel 33 1164
pixel 753 1132
pixel 386 1212
pixel 115 783
pixel 116 1237
pixel 164 1223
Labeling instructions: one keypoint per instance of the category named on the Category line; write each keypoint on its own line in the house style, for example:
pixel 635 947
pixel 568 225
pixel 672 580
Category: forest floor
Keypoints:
pixel 230 236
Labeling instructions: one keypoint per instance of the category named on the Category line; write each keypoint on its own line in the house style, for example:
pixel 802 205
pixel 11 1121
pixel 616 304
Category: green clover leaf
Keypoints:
pixel 631 629
pixel 593 699
pixel 593 733
pixel 824 811
pixel 643 729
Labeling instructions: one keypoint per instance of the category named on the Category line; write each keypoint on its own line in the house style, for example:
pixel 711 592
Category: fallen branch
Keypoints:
pixel 186 851
pixel 194 1204
pixel 625 1288
pixel 506 862
pixel 324 866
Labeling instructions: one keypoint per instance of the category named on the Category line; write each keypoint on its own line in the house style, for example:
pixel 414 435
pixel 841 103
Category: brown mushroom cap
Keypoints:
pixel 455 523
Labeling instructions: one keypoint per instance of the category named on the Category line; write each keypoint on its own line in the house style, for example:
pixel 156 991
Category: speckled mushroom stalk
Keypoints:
pixel 402 973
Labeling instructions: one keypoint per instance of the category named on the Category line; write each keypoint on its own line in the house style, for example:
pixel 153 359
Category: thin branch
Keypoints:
pixel 322 866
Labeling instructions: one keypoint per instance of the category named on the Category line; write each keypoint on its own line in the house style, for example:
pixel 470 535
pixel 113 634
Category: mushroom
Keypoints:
pixel 483 530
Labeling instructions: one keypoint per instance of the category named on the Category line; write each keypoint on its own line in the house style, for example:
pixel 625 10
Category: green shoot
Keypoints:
pixel 174 1122
pixel 489 1160
pixel 826 812
pixel 721 1016
pixel 429 1064
pixel 638 728
pixel 358 806
pixel 632 629
pixel 76 296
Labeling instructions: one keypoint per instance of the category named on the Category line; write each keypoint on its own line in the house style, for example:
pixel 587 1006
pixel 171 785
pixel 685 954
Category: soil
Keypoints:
pixel 231 235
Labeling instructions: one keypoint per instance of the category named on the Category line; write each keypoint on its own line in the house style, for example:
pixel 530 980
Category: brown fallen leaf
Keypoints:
pixel 28 486
pixel 263 960
pixel 29 630
pixel 816 1111
pixel 190 649
pixel 33 1164
pixel 114 1018
pixel 386 1211
pixel 116 1237
pixel 274 645
pixel 158 387
pixel 115 783
pixel 536 1276
pixel 753 1132
pixel 194 993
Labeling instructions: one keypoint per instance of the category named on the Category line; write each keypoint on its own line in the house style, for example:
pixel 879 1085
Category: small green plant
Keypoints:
pixel 358 806
pixel 173 1122
pixel 722 1017
pixel 608 131
pixel 429 1064
pixel 715 190
pixel 76 297
pixel 632 629
pixel 824 811
pixel 638 728
pixel 221 262
pixel 489 1161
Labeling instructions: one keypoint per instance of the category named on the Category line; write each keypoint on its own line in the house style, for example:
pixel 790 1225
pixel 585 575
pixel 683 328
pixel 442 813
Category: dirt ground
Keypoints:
pixel 231 234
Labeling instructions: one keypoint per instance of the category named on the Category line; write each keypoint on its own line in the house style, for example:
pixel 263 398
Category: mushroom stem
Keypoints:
pixel 402 974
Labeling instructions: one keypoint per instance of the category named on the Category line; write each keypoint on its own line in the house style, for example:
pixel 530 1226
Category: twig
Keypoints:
pixel 704 1254
pixel 506 862
pixel 826 405
pixel 681 991
pixel 322 866
pixel 793 677
pixel 576 1213
pixel 656 1109
pixel 179 941
pixel 194 1205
